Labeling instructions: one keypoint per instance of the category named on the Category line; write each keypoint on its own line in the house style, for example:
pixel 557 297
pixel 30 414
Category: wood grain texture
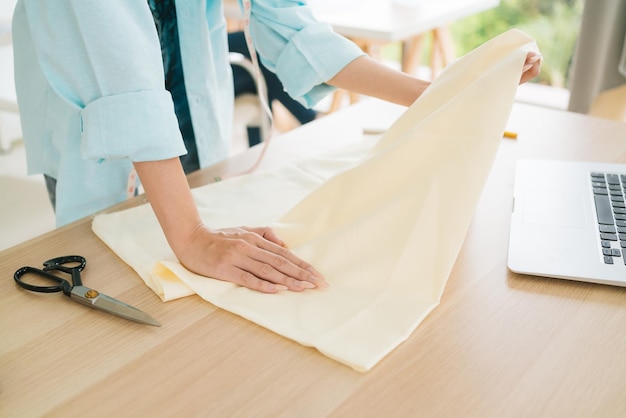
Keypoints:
pixel 499 344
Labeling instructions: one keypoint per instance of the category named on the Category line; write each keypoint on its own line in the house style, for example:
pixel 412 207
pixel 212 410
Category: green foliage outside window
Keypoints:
pixel 554 24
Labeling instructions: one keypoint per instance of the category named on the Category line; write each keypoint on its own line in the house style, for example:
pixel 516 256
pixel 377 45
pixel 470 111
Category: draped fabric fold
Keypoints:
pixel 383 220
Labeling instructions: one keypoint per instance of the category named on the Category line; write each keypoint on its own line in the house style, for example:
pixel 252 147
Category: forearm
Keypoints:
pixel 251 257
pixel 372 78
pixel 171 200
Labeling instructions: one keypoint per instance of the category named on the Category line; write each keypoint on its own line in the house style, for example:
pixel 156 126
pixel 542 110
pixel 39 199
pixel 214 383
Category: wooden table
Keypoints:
pixel 380 21
pixel 498 345
pixel 371 23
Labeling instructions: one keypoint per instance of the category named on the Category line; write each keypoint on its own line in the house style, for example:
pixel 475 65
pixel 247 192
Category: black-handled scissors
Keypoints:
pixel 73 265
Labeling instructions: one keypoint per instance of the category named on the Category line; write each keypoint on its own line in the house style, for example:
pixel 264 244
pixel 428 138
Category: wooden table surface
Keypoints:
pixel 498 345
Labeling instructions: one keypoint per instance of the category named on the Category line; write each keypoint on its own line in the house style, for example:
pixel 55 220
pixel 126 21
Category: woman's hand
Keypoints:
pixel 251 257
pixel 532 67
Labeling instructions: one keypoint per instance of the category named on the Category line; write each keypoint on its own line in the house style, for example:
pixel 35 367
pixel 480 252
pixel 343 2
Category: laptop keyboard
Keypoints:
pixel 608 193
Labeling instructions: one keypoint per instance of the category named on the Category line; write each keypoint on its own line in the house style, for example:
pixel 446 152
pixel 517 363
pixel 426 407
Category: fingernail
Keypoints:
pixel 319 282
pixel 280 287
pixel 527 67
pixel 307 285
pixel 535 58
pixel 317 278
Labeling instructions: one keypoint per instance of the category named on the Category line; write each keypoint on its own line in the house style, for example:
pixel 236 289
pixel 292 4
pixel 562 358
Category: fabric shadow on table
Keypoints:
pixel 383 220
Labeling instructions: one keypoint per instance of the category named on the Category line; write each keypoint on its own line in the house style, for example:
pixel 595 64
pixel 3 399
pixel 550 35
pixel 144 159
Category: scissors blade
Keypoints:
pixel 97 300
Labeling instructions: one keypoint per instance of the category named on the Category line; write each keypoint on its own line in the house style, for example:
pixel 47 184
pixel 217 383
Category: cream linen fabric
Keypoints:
pixel 383 221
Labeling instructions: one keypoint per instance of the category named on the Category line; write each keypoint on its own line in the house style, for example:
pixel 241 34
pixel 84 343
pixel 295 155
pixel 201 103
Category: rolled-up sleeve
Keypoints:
pixel 111 131
pixel 104 59
pixel 303 52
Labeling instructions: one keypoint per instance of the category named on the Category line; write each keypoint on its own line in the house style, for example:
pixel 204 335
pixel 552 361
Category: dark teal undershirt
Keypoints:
pixel 164 13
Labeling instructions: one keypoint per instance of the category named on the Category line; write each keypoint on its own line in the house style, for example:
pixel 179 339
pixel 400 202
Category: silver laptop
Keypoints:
pixel 569 221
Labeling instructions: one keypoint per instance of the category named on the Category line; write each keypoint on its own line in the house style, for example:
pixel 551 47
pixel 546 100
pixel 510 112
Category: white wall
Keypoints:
pixel 9 121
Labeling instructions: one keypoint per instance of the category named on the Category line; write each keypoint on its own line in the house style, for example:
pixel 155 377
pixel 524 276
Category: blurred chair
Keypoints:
pixel 8 101
pixel 6 140
pixel 259 126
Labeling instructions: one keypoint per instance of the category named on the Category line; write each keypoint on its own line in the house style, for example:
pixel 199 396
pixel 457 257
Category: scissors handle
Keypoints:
pixel 61 285
pixel 71 264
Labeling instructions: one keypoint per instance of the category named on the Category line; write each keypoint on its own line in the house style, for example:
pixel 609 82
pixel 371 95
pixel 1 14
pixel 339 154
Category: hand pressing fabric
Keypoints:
pixel 251 257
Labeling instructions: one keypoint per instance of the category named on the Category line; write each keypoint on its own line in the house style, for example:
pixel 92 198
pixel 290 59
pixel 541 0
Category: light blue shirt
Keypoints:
pixel 91 92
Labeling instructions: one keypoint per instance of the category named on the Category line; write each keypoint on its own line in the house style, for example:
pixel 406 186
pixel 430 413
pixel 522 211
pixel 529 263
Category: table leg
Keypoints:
pixel 442 52
pixel 337 100
pixel 338 97
pixel 412 53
